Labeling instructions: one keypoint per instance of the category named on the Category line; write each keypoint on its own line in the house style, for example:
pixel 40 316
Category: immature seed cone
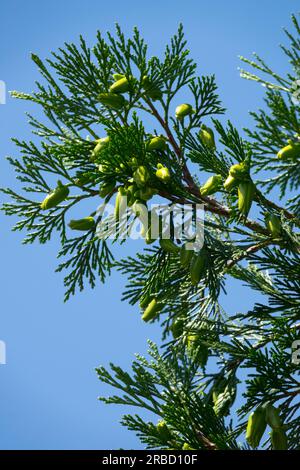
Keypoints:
pixel 120 86
pixel 225 399
pixel 198 267
pixel 256 427
pixel 149 236
pixel 273 224
pixel 211 185
pixel 106 188
pixel 183 110
pixel 112 100
pixel 121 202
pixel 185 256
pixel 130 192
pixel 246 192
pixel 163 174
pixel 164 431
pixel 118 76
pixel 230 183
pixel 240 171
pixel 146 193
pixel 156 143
pixel 279 439
pixel 197 351
pixel 272 416
pixel 187 446
pixel 58 195
pixel 101 144
pixel 177 328
pixel 207 137
pixel 141 176
pixel 168 246
pixel 145 300
pixel 152 310
pixel 218 388
pixel 82 179
pixel 290 151
pixel 85 224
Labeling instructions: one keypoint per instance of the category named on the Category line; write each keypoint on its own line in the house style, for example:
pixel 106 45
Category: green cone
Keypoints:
pixel 177 328
pixel 207 137
pixel 273 224
pixel 289 152
pixel 156 143
pixel 230 183
pixel 168 246
pixel 246 192
pixel 240 171
pixel 152 310
pixel 185 256
pixel 163 174
pixel 198 267
pixel 211 185
pixel 164 431
pixel 85 224
pixel 101 144
pixel 112 100
pixel 141 176
pixel 272 416
pixel 151 90
pixel 120 86
pixel 256 427
pixel 183 110
pixel 279 439
pixel 106 188
pixel 58 195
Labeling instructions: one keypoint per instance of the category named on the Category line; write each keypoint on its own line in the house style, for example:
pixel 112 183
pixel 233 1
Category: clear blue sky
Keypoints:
pixel 48 393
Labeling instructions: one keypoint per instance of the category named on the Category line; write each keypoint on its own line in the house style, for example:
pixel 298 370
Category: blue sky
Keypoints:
pixel 48 393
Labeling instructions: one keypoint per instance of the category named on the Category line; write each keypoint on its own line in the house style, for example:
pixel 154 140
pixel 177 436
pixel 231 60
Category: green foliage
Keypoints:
pixel 191 384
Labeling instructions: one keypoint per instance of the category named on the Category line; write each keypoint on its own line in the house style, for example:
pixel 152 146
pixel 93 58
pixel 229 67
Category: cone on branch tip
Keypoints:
pixel 101 144
pixel 168 245
pixel 55 197
pixel 177 327
pixel 120 86
pixel 290 151
pixel 185 256
pixel 156 143
pixel 112 100
pixel 141 176
pixel 206 135
pixel 163 173
pixel 230 183
pixel 211 186
pixel 273 225
pixel 246 193
pixel 106 188
pixel 152 310
pixel 164 431
pixel 272 415
pixel 198 266
pixel 279 439
pixel 85 224
pixel 184 110
pixel 256 427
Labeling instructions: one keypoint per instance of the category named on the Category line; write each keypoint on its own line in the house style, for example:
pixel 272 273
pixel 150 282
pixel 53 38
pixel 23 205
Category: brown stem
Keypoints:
pixel 273 205
pixel 252 249
pixel 211 204
pixel 205 441
pixel 166 128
